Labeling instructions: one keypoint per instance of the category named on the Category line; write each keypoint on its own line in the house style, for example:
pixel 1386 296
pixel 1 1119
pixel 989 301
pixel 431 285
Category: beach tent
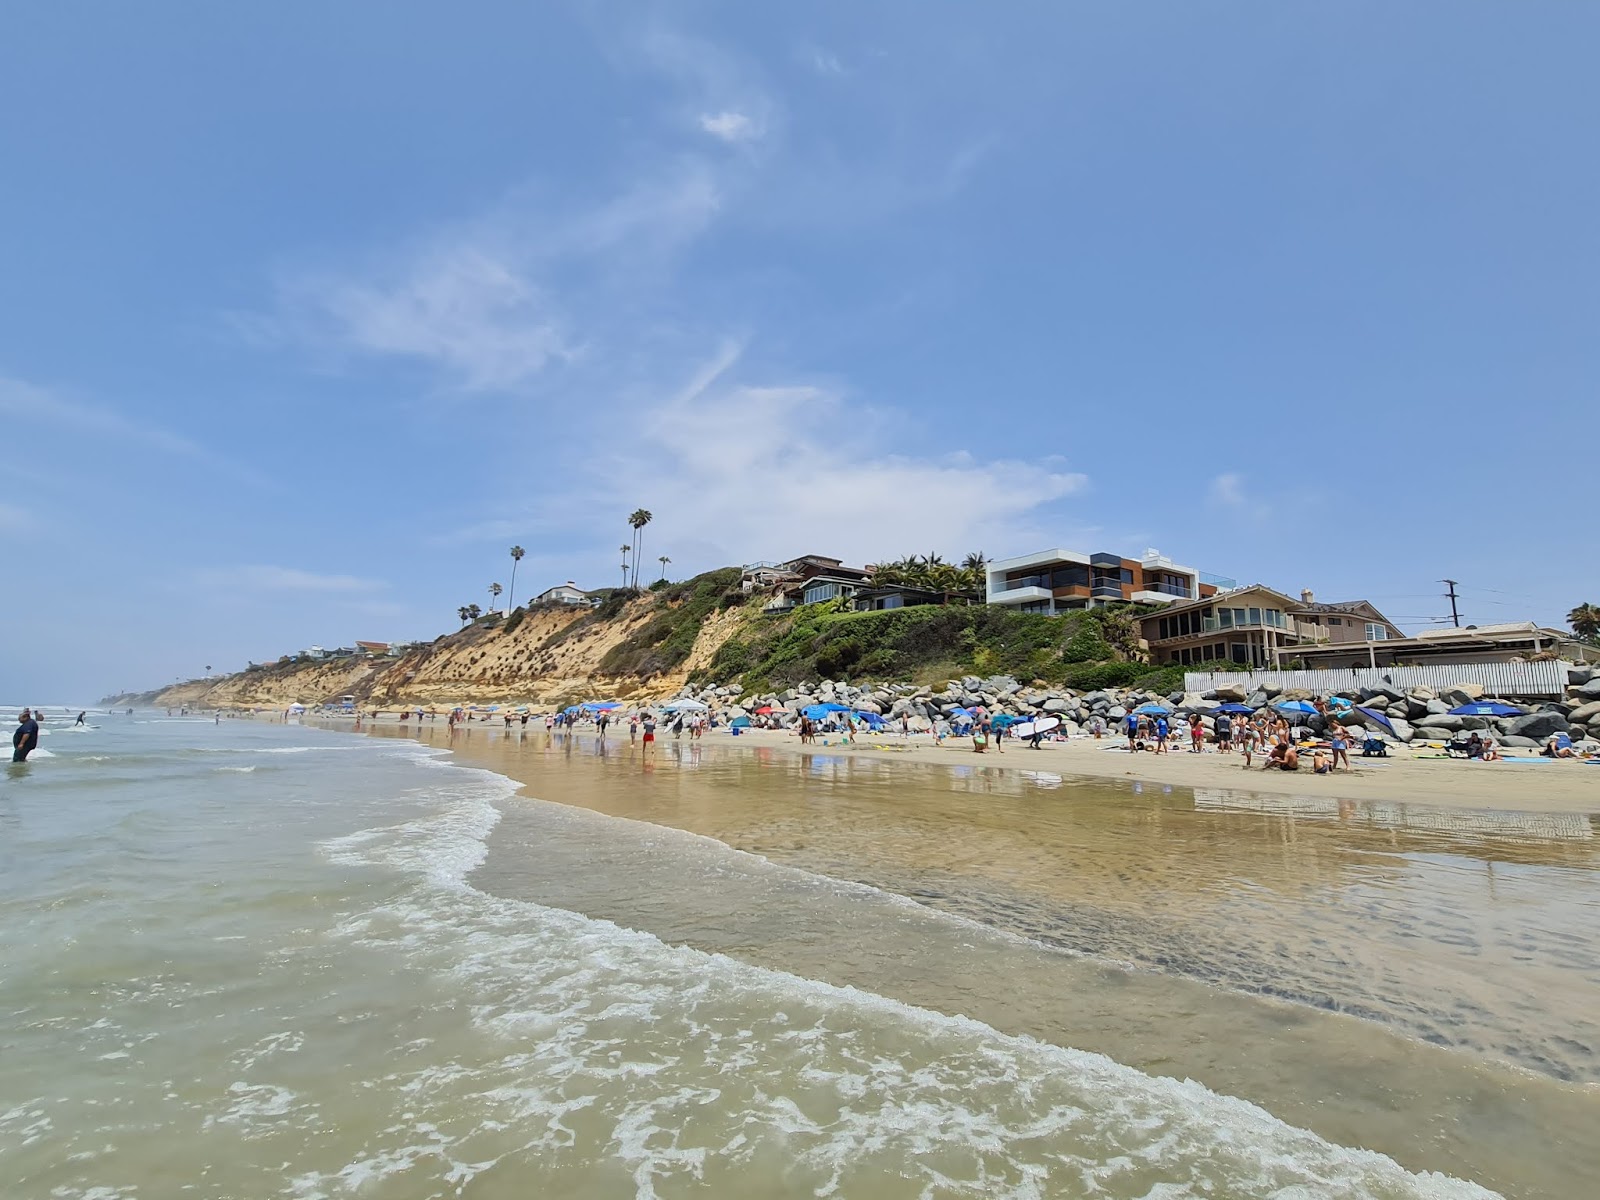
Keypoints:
pixel 1006 720
pixel 1486 708
pixel 573 710
pixel 684 706
pixel 599 706
pixel 297 707
pixel 1234 708
pixel 1296 706
pixel 739 723
pixel 871 719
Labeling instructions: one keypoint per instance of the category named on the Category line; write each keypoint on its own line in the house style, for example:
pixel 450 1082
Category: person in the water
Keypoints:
pixel 26 739
pixel 79 721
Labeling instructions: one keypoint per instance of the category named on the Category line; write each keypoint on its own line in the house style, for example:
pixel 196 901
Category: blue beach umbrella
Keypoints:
pixel 1486 708
pixel 1234 708
pixel 1154 710
pixel 1377 718
pixel 1005 721
pixel 1297 706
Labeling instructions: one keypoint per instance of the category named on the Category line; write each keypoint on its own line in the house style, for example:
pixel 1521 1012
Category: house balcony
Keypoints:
pixel 1021 595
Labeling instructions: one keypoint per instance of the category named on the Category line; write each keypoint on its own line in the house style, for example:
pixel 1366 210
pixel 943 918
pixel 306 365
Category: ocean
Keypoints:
pixel 250 959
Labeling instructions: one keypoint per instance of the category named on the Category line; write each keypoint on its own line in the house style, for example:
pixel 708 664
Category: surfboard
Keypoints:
pixel 1026 729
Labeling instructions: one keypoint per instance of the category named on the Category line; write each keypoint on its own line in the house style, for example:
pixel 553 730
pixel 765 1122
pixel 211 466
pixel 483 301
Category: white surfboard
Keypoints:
pixel 1026 729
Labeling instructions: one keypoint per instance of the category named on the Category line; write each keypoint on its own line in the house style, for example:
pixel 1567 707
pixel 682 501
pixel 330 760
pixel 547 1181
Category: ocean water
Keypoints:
pixel 257 960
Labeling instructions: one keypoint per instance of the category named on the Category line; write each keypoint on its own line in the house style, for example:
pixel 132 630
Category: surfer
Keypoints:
pixel 26 738
pixel 79 721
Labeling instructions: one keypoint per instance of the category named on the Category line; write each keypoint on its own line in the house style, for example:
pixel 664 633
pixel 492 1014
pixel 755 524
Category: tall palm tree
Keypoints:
pixel 465 613
pixel 494 590
pixel 511 593
pixel 1585 621
pixel 625 551
pixel 639 518
pixel 663 560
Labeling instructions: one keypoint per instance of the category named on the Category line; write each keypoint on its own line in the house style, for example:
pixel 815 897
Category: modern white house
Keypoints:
pixel 566 593
pixel 1056 580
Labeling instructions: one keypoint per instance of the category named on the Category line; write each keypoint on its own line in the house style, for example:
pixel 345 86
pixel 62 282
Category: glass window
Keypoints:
pixel 1255 616
pixel 1239 616
pixel 1127 575
pixel 1240 653
pixel 1376 632
pixel 1335 620
pixel 1225 618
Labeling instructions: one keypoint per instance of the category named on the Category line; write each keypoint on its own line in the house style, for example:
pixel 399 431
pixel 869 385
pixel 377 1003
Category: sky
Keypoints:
pixel 309 312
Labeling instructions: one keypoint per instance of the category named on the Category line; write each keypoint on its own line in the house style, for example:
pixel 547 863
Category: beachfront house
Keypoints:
pixel 895 595
pixel 808 579
pixel 1055 581
pixel 1258 626
pixel 372 649
pixel 566 593
pixel 1501 643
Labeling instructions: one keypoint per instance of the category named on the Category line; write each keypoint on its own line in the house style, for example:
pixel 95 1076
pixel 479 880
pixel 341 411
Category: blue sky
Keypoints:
pixel 309 311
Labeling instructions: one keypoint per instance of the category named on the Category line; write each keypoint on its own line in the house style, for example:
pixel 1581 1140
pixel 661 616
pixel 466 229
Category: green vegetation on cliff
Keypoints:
pixel 681 609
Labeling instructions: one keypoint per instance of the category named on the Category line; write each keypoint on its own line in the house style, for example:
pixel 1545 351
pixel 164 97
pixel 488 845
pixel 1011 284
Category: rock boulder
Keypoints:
pixel 1538 726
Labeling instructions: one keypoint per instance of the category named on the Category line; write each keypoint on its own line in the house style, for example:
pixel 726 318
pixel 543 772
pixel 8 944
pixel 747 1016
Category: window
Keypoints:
pixel 1239 652
pixel 1335 620
pixel 1239 617
pixel 1255 616
pixel 1225 618
pixel 1376 632
pixel 1163 626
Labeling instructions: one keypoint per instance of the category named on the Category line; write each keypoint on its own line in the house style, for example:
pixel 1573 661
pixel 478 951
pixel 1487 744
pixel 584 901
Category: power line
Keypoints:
pixel 1455 613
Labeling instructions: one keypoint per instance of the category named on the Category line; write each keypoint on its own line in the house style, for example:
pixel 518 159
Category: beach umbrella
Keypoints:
pixel 1154 709
pixel 1234 708
pixel 684 706
pixel 1296 706
pixel 1006 720
pixel 817 711
pixel 1377 718
pixel 1486 708
pixel 765 710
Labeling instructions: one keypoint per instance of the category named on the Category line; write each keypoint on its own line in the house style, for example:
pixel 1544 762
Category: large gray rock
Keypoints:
pixel 1462 693
pixel 1257 699
pixel 1579 675
pixel 1585 714
pixel 1414 707
pixel 1402 729
pixel 1539 725
pixel 1588 691
pixel 1514 742
pixel 1442 721
pixel 1117 712
pixel 1056 706
pixel 1438 707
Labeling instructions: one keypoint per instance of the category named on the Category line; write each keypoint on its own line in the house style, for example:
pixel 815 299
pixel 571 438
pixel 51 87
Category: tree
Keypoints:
pixel 1585 621
pixel 639 518
pixel 511 593
pixel 625 550
pixel 663 560
pixel 472 611
pixel 494 590
pixel 465 613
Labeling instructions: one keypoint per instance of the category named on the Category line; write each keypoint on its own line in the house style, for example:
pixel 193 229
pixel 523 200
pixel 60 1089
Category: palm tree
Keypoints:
pixel 663 560
pixel 465 613
pixel 511 593
pixel 625 551
pixel 639 518
pixel 494 590
pixel 1585 621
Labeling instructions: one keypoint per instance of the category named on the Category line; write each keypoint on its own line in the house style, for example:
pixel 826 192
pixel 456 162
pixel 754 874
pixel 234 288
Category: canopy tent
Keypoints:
pixel 599 706
pixel 684 706
pixel 1486 708
pixel 1234 708
pixel 818 711
pixel 1295 706
pixel 297 707
pixel 572 710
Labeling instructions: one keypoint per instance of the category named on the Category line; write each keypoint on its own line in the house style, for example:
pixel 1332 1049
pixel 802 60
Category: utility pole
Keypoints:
pixel 1455 614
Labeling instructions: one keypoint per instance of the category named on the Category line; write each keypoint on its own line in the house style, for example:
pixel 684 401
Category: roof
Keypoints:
pixel 1200 602
pixel 373 645
pixel 1470 633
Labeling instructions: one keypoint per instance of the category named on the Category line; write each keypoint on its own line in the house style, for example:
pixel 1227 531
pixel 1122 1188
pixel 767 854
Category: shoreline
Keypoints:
pixel 1564 787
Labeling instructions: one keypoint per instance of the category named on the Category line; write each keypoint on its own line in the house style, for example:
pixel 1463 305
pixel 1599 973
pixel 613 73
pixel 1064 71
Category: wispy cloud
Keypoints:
pixel 730 126
pixel 260 578
pixel 44 405
pixel 1228 491
pixel 14 520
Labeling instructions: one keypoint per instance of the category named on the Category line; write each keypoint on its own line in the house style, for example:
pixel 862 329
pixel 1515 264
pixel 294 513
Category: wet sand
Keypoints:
pixel 1410 977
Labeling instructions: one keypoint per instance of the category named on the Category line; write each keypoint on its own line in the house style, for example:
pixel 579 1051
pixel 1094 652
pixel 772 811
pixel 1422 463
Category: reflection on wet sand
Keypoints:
pixel 1462 939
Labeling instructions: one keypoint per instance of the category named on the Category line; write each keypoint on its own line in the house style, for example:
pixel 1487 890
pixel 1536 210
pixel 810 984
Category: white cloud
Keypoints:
pixel 730 126
pixel 260 578
pixel 768 471
pixel 1228 490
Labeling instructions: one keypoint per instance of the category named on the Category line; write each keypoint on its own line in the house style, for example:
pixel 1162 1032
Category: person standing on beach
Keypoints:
pixel 1131 724
pixel 26 738
pixel 1339 743
pixel 1161 733
pixel 1224 734
pixel 633 729
pixel 649 732
pixel 1197 734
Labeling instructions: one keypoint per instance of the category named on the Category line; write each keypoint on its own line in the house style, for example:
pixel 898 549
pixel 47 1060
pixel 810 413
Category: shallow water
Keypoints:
pixel 257 960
